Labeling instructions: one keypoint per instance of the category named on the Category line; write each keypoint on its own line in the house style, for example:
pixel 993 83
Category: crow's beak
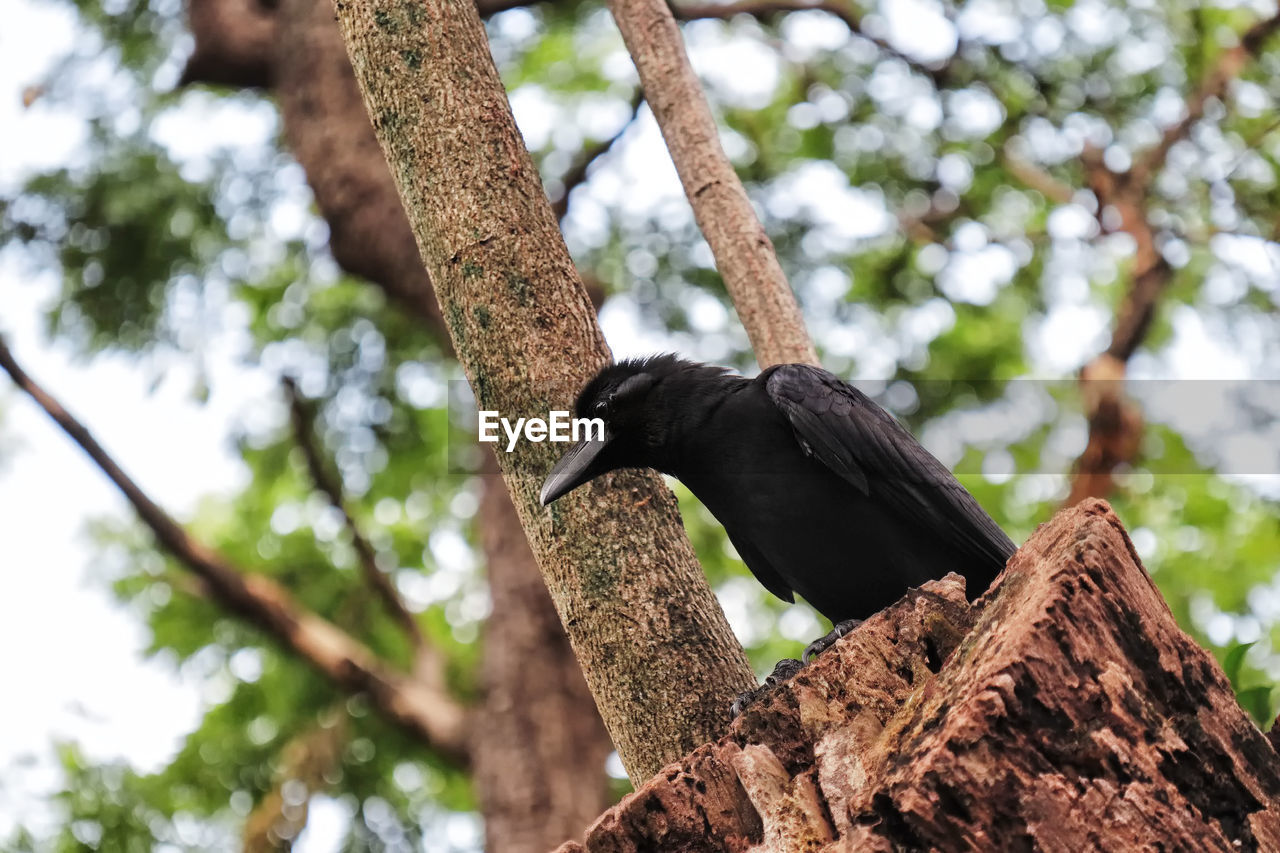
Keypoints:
pixel 573 469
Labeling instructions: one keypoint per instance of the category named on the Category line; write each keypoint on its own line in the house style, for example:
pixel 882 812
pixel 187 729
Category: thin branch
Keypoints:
pixel 429 664
pixel 743 253
pixel 1127 194
pixel 577 173
pixel 309 758
pixel 1115 423
pixel 1033 177
pixel 431 715
pixel 1229 65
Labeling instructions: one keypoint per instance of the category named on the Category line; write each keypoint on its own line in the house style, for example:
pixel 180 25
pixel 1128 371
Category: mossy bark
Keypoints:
pixel 657 653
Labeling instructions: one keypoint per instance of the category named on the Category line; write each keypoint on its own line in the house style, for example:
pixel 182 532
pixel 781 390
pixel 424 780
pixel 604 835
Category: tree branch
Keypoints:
pixel 310 758
pixel 432 716
pixel 743 252
pixel 577 173
pixel 1115 424
pixel 428 664
pixel 1229 65
pixel 234 43
pixel 1033 177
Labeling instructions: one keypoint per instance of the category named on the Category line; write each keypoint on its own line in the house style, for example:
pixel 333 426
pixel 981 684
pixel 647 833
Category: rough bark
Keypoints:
pixel 743 252
pixel 1064 711
pixel 657 652
pixel 539 747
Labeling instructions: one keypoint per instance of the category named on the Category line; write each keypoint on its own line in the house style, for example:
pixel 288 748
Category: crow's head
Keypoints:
pixel 624 397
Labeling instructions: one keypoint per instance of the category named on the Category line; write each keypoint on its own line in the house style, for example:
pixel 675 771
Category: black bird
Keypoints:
pixel 821 491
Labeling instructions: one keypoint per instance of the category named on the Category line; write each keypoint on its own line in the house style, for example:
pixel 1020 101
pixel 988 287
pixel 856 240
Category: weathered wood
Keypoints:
pixel 1064 711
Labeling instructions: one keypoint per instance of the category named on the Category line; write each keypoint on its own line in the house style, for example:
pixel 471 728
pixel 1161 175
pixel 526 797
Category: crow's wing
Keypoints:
pixel 845 430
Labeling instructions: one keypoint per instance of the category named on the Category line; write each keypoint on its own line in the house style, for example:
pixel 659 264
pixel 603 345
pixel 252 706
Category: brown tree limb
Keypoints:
pixel 657 652
pixel 428 664
pixel 744 254
pixel 1115 424
pixel 577 174
pixel 234 43
pixel 1064 711
pixel 1227 68
pixel 431 715
pixel 1033 177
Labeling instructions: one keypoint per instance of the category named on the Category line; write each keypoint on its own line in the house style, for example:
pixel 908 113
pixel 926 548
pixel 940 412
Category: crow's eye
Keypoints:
pixel 605 404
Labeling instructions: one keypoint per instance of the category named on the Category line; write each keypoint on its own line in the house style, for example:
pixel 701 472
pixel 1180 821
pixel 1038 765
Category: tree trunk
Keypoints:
pixel 1064 711
pixel 539 747
pixel 657 652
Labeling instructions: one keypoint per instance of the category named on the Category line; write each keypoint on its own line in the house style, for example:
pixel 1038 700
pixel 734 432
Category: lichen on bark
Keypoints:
pixel 615 556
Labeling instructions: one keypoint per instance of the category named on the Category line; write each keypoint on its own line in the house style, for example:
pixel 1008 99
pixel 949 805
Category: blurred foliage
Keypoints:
pixel 926 268
pixel 125 234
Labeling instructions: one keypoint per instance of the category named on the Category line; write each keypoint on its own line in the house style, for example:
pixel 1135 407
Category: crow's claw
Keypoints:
pixel 821 644
pixel 783 670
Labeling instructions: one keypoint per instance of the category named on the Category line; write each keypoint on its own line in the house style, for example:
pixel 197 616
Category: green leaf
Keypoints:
pixel 1258 702
pixel 1233 662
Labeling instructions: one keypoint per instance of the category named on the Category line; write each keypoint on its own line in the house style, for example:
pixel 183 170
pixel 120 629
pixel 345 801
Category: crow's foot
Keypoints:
pixel 821 644
pixel 783 670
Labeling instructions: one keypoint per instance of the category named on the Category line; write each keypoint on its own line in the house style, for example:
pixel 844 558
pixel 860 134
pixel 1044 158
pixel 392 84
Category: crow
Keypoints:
pixel 822 492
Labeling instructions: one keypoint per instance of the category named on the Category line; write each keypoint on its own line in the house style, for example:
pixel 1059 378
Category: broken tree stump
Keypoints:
pixel 1065 711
